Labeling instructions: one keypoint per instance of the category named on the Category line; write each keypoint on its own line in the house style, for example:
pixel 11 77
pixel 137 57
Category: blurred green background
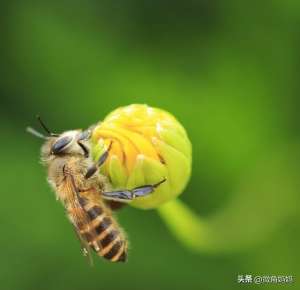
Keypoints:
pixel 228 70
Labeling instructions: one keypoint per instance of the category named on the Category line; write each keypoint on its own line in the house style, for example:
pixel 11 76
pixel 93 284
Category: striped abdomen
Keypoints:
pixel 102 233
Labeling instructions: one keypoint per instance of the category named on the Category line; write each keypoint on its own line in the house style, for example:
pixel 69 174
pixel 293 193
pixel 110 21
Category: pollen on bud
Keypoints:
pixel 148 145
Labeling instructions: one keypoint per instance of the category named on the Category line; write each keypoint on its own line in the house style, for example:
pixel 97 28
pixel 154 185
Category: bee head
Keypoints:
pixel 69 142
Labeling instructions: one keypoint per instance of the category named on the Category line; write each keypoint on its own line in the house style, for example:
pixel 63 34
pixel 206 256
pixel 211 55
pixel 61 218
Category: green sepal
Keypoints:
pixel 153 171
pixel 117 173
pixel 178 165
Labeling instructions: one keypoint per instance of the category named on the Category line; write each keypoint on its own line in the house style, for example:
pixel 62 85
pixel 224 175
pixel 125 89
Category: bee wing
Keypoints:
pixel 78 217
pixel 86 249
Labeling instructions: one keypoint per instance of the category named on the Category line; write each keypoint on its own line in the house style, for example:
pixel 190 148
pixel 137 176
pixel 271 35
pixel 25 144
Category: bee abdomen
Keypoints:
pixel 104 236
pixel 94 212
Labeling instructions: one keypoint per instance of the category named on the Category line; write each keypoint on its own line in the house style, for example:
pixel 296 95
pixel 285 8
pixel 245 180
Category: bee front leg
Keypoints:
pixel 84 149
pixel 84 135
pixel 128 195
pixel 93 169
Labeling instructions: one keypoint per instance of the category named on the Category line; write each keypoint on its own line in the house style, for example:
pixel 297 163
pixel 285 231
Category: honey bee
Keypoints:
pixel 85 193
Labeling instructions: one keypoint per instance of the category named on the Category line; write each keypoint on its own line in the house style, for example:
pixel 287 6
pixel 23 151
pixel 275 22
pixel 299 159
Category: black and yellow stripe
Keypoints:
pixel 103 235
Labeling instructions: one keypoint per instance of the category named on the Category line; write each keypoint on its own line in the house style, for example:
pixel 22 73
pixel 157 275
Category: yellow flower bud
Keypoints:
pixel 148 145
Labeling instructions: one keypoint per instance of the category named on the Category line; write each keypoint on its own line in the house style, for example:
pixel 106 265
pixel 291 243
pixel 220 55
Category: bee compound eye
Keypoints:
pixel 61 144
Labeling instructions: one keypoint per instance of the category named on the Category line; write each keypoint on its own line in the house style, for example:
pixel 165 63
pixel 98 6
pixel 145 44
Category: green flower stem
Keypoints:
pixel 186 226
pixel 264 200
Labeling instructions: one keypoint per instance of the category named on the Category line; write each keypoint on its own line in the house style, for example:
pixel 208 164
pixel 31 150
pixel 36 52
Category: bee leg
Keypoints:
pixel 146 189
pixel 127 195
pixel 84 149
pixel 92 170
pixel 84 135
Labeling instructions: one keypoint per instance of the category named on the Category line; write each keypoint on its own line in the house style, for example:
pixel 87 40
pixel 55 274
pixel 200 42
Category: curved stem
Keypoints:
pixel 186 226
pixel 264 200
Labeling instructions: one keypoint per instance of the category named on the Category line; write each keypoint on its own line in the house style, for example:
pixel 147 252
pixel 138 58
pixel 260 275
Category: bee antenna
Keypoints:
pixel 45 127
pixel 35 133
